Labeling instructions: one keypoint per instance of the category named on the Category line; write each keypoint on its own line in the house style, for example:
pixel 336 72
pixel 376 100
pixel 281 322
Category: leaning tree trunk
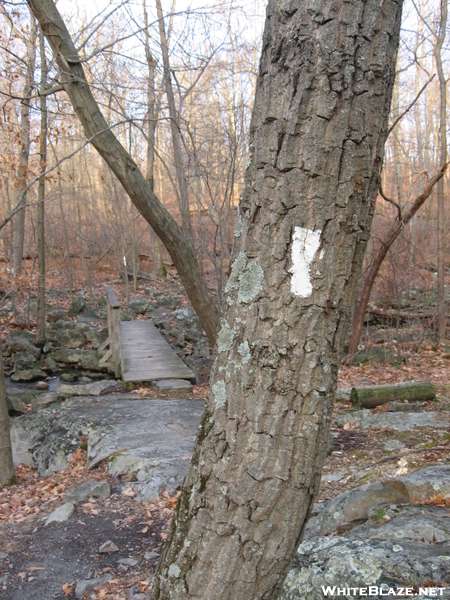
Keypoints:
pixel 317 140
pixel 123 166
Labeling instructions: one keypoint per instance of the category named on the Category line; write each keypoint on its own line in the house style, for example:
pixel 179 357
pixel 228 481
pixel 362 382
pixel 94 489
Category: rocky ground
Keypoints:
pixel 383 506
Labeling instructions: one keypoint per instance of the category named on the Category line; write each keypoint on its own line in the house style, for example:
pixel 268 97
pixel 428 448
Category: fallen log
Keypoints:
pixel 375 395
pixel 391 313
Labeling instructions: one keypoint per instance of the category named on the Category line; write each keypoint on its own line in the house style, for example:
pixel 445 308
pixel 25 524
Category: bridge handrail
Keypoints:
pixel 114 338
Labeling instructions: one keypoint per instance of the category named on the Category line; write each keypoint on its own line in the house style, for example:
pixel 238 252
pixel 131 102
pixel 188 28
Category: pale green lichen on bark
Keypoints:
pixel 246 278
pixel 219 390
pixel 225 337
pixel 239 226
pixel 244 351
pixel 174 571
pixel 251 284
pixel 237 269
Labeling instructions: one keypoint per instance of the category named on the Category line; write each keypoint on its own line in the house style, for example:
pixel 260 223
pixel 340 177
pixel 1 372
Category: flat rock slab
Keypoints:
pixel 151 439
pixel 365 419
pixel 172 385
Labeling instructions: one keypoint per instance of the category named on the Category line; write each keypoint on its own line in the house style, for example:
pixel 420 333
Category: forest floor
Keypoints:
pixel 43 562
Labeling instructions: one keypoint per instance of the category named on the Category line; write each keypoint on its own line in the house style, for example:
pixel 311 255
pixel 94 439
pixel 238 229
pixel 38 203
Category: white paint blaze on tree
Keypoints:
pixel 317 138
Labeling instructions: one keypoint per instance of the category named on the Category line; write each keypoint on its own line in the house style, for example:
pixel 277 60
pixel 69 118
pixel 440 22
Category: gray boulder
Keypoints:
pixel 77 306
pixel 97 338
pixel 54 313
pixel 46 440
pixel 93 315
pixel 344 561
pixel 84 586
pixel 72 338
pixel 69 377
pixel 87 359
pixel 352 507
pixel 24 360
pixel 27 375
pixel 429 524
pixel 22 341
pixel 397 546
pixel 61 514
pixel 15 404
pixel 97 489
pixel 43 400
pixel 140 305
pixel 97 388
pixel 172 385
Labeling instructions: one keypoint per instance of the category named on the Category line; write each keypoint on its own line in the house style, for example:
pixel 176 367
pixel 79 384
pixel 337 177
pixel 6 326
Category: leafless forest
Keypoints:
pixel 176 87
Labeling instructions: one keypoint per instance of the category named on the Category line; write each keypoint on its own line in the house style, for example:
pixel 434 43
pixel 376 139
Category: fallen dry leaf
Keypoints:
pixel 67 589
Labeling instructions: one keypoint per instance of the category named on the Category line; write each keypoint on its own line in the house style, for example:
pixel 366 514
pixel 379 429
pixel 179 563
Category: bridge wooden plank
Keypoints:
pixel 147 356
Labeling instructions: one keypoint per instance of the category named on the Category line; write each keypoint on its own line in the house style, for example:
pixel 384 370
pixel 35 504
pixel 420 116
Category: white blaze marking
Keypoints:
pixel 305 244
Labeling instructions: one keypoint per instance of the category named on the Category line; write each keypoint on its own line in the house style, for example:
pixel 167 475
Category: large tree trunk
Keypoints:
pixel 123 166
pixel 395 230
pixel 317 140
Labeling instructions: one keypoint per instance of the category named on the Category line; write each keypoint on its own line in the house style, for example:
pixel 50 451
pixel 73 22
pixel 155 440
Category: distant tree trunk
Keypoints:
pixel 395 230
pixel 440 39
pixel 40 330
pixel 318 131
pixel 175 129
pixel 153 108
pixel 7 475
pixel 18 221
pixel 122 165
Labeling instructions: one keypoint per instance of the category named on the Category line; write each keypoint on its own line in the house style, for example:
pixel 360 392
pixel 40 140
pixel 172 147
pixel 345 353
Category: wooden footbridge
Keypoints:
pixel 137 351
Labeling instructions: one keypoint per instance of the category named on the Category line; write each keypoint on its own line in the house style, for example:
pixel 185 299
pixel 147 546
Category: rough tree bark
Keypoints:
pixel 399 224
pixel 123 166
pixel 317 140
